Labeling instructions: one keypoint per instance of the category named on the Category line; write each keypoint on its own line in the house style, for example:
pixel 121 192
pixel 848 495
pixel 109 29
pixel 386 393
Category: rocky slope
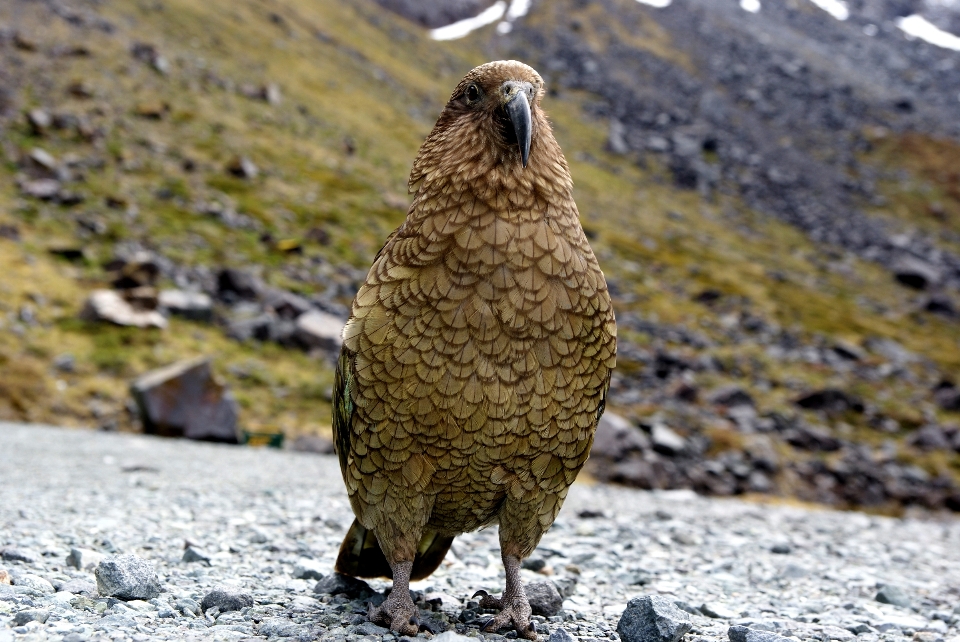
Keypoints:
pixel 773 197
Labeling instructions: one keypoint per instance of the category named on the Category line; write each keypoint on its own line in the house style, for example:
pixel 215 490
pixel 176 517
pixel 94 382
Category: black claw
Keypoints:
pixel 415 620
pixel 486 625
pixel 532 627
pixel 481 592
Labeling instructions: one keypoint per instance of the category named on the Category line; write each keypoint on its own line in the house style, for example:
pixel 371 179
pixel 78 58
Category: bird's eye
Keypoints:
pixel 472 94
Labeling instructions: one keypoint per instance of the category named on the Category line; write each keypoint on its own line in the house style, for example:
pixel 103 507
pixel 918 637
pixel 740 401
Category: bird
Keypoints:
pixel 477 358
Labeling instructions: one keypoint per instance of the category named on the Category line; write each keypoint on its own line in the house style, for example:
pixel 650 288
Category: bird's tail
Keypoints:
pixel 360 554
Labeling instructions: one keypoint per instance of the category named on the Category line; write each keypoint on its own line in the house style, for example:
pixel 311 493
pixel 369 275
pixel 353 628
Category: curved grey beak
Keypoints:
pixel 518 108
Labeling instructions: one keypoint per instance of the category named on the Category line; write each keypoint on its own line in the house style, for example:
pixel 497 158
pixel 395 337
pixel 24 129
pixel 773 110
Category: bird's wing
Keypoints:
pixel 343 405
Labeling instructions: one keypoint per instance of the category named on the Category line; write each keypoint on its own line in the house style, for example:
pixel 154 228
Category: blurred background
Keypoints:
pixel 191 193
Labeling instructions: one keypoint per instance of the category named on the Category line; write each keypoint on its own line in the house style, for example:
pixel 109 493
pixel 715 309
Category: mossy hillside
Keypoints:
pixel 360 90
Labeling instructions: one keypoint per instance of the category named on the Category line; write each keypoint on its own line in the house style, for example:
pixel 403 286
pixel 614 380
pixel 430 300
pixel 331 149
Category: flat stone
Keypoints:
pixel 83 558
pixel 184 400
pixel 85 588
pixel 307 569
pixel 730 396
pixel 281 627
pixel 34 582
pixel 226 599
pixel 718 611
pixel 452 636
pixel 45 189
pixel 617 437
pixel 12 554
pixel 891 594
pixel 544 598
pixel 115 621
pixel 30 615
pixel 196 306
pixel 127 577
pixel 653 618
pixel 108 306
pixel 666 441
pixel 192 554
pixel 837 633
pixel 316 329
pixel 561 635
pixel 744 634
pixel 335 583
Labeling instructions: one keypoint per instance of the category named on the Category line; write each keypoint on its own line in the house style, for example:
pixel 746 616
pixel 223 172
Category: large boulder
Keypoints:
pixel 184 400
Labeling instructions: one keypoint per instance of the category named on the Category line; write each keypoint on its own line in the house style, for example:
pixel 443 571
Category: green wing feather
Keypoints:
pixel 343 405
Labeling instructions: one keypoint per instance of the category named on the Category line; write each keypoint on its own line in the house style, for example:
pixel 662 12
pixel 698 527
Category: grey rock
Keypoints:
pixel 916 273
pixel 190 305
pixel 187 606
pixel 83 558
pixel 335 583
pixel 40 121
pixel 243 167
pixel 45 189
pixel 316 329
pixel 109 307
pixel 307 569
pixel 652 618
pixel 34 582
pixel 891 594
pixel 369 628
pixel 718 611
pixel 184 400
pixel 617 437
pixel 127 577
pixel 12 554
pixel 85 588
pixel 279 627
pixel 857 629
pixel 226 599
pixel 544 598
pixel 560 635
pixel 781 549
pixel 452 636
pixel 30 615
pixel 666 441
pixel 115 621
pixel 744 634
pixel 730 396
pixel 566 586
pixel 192 554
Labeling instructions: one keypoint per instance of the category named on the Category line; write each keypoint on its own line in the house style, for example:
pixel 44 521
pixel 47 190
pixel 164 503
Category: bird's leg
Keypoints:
pixel 513 604
pixel 398 612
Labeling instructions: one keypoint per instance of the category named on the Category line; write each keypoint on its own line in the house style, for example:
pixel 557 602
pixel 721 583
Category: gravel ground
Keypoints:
pixel 254 520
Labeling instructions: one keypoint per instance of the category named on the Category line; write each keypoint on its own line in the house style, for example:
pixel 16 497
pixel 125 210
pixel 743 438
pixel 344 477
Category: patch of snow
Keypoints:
pixel 517 9
pixel 870 30
pixel 919 27
pixel 659 4
pixel 836 8
pixel 753 6
pixel 461 28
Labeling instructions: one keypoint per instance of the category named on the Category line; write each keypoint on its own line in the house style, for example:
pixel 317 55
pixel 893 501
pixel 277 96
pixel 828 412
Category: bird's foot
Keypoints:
pixel 513 610
pixel 397 613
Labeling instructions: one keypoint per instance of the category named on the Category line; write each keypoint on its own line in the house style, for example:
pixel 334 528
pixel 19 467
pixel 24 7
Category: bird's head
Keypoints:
pixel 492 121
